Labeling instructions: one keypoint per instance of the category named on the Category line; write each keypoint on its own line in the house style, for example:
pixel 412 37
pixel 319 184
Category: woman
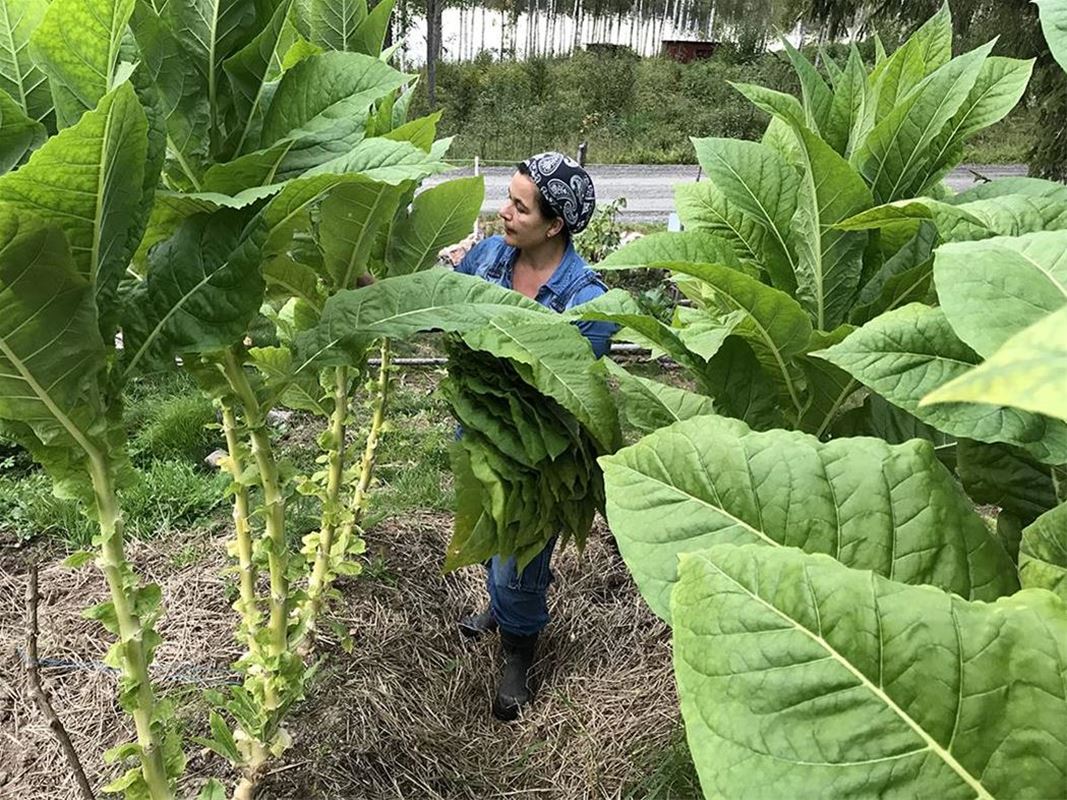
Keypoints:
pixel 550 198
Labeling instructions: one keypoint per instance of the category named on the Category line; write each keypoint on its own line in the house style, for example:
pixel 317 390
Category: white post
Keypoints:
pixel 477 220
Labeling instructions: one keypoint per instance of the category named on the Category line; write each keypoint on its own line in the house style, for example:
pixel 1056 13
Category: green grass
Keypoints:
pixel 669 774
pixel 413 468
pixel 167 417
pixel 170 496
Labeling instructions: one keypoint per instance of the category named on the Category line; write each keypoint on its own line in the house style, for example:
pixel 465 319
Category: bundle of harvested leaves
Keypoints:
pixel 525 466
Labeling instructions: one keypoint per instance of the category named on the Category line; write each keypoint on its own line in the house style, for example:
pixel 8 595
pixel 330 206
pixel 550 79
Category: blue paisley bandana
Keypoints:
pixel 566 186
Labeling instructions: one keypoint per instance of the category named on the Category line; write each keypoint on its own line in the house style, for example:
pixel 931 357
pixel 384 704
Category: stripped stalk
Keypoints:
pixel 273 501
pixel 321 573
pixel 131 631
pixel 246 606
pixel 370 451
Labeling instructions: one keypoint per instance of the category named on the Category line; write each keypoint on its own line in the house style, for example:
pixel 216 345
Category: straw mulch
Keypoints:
pixel 405 715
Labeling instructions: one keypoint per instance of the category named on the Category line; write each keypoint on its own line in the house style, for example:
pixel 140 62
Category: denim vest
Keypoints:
pixel 572 284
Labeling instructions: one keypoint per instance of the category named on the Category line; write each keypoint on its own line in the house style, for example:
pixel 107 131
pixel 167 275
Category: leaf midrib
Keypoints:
pixel 865 682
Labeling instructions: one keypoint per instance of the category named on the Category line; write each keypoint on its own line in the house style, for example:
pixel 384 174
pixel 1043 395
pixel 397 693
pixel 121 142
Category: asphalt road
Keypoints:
pixel 649 190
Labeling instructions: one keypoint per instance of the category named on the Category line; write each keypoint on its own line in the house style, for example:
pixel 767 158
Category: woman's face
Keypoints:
pixel 524 225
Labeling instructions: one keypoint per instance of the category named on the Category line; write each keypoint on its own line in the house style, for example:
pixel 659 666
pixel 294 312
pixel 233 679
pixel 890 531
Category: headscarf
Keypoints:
pixel 566 186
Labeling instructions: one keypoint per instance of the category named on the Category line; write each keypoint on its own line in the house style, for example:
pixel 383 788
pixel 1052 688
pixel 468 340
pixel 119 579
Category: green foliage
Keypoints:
pixel 629 111
pixel 782 657
pixel 724 483
pixel 603 233
pixel 531 398
pixel 525 462
pixel 168 496
pixel 176 427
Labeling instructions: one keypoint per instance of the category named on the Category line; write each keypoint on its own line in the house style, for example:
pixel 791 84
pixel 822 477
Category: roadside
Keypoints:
pixel 649 189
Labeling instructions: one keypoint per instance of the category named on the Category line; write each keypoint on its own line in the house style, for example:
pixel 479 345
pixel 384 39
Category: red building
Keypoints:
pixel 686 51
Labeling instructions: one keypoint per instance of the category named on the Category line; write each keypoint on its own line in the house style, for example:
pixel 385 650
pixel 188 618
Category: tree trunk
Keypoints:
pixel 432 33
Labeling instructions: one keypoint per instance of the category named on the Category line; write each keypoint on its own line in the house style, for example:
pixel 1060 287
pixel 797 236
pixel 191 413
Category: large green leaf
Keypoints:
pixel 1054 26
pixel 762 185
pixel 1029 372
pixel 402 306
pixel 349 221
pixel 818 99
pixel 1031 187
pixel 440 216
pixel 328 92
pixel 1000 85
pixel 77 45
pixel 741 387
pixel 648 405
pixel 894 153
pixel 903 278
pixel 695 246
pixel 383 159
pixel 992 290
pixel 18 134
pixel 253 71
pixel 87 180
pixel 170 209
pixel 334 23
pixel 894 78
pixel 50 346
pixel 560 364
pixel 829 261
pixel 702 332
pixel 846 110
pixel 200 294
pixel 893 509
pixel 618 306
pixel 20 76
pixel 181 96
pixel 370 35
pixel 210 31
pixel 703 207
pixel 205 283
pixel 777 104
pixel 799 677
pixel 906 354
pixel 1043 553
pixel 773 323
pixel 1003 215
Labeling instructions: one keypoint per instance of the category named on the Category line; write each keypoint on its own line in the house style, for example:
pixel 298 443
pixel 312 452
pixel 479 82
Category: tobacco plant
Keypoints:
pixel 81 160
pixel 845 622
pixel 291 169
pixel 249 115
pixel 791 242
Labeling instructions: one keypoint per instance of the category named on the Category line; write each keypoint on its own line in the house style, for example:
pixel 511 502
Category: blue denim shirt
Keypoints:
pixel 572 284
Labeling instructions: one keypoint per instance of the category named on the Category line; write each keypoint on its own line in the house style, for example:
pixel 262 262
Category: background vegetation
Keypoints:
pixel 634 110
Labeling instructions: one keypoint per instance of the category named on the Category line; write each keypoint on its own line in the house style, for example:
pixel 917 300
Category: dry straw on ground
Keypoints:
pixel 405 715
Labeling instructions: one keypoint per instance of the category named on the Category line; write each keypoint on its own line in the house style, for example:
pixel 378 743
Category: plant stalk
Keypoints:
pixel 249 609
pixel 370 451
pixel 273 501
pixel 113 563
pixel 319 581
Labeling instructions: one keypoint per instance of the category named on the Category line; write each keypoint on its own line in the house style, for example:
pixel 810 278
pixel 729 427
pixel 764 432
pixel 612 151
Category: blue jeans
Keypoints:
pixel 519 602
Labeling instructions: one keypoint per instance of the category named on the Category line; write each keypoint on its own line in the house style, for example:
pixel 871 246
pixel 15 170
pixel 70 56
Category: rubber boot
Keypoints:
pixel 515 690
pixel 474 626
